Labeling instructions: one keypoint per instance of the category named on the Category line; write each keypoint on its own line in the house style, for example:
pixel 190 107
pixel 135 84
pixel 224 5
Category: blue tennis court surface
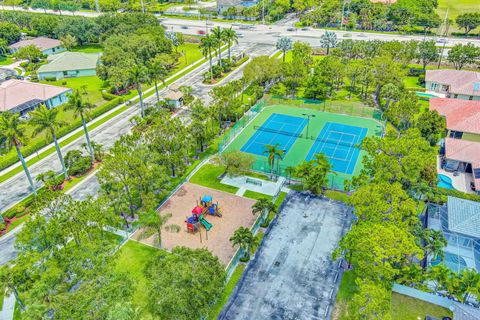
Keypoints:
pixel 337 142
pixel 277 129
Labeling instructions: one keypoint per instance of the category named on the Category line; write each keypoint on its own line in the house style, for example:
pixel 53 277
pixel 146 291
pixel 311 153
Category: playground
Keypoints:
pixel 210 228
pixel 301 133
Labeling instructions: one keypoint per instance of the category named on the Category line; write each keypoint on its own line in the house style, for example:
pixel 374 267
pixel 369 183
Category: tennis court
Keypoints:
pixel 278 129
pixel 334 135
pixel 340 144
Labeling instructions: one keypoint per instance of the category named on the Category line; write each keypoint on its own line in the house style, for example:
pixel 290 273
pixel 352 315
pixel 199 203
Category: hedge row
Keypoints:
pixel 11 158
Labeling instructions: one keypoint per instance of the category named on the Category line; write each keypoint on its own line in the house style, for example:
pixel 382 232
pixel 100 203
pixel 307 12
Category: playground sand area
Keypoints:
pixel 236 212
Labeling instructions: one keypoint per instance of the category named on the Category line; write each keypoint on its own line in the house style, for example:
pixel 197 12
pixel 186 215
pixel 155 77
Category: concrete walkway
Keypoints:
pixel 8 308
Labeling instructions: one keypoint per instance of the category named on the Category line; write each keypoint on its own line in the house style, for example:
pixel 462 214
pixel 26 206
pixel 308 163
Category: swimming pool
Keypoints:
pixel 445 182
pixel 424 95
pixel 452 261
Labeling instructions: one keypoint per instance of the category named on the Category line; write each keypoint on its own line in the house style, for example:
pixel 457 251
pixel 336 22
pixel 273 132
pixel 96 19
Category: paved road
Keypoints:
pixel 17 188
pixel 269 33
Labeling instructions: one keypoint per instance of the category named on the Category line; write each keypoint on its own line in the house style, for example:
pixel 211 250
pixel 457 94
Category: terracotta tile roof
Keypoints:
pixel 15 92
pixel 460 81
pixel 461 115
pixel 42 43
pixel 464 151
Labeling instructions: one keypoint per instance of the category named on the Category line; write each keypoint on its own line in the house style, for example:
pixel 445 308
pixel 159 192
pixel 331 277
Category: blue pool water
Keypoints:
pixel 444 182
pixel 452 261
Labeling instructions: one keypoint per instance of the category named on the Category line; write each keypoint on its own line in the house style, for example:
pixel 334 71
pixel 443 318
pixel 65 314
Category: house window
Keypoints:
pixel 455 96
pixel 53 49
pixel 456 134
pixel 65 73
pixel 470 98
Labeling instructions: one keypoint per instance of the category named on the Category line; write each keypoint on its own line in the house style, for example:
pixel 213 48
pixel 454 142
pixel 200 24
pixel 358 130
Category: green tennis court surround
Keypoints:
pixel 309 139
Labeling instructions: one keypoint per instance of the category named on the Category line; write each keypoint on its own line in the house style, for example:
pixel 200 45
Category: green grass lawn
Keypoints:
pixel 411 83
pixel 89 48
pixel 92 90
pixel 337 195
pixel 132 258
pixel 227 291
pixel 256 195
pixel 190 54
pixel 455 7
pixel 403 307
pixel 208 175
pixel 6 60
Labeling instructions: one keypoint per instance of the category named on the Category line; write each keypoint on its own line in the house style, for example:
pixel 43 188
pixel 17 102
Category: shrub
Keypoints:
pixel 76 163
pixel 245 259
pixel 421 79
pixel 51 180
pixel 50 79
pixel 217 71
pixel 108 96
pixel 3 225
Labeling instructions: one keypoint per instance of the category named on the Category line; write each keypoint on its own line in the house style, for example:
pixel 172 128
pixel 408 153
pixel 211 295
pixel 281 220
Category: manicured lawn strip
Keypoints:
pixel 337 195
pixel 208 175
pixel 75 136
pixel 411 83
pixel 403 307
pixel 256 195
pixel 407 308
pixel 17 315
pixel 227 291
pixel 92 91
pixel 133 257
pixel 6 60
pixel 89 48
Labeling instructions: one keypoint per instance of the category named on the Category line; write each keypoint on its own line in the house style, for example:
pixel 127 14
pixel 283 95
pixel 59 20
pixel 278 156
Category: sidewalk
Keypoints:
pixel 8 308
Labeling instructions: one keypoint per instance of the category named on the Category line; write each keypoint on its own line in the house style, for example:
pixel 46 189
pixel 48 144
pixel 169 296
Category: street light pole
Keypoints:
pixel 308 120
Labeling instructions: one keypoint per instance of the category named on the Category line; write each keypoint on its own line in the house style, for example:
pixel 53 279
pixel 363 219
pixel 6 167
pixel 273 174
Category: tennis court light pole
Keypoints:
pixel 308 120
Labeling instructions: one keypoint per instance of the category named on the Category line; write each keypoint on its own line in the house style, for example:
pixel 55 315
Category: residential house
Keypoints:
pixel 48 46
pixel 456 84
pixel 23 96
pixel 461 152
pixel 69 64
pixel 459 221
pixel 223 5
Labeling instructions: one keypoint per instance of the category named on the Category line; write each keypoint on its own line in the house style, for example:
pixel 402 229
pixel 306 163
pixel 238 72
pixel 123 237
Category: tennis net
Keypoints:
pixel 282 132
pixel 337 142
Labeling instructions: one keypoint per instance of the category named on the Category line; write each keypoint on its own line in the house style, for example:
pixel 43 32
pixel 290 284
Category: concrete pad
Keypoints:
pixel 293 275
pixel 266 187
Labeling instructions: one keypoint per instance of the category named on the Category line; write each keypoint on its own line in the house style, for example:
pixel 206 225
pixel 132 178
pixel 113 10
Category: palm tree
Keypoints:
pixel 328 40
pixel 284 44
pixel 434 242
pixel 157 71
pixel 13 134
pixel 469 283
pixel 152 224
pixel 80 109
pixel 243 237
pixel 207 44
pixel 273 153
pixel 231 37
pixel 264 207
pixel 218 35
pixel 137 76
pixel 46 119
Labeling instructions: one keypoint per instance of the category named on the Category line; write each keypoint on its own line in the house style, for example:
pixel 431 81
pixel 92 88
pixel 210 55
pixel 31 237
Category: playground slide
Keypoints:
pixel 205 223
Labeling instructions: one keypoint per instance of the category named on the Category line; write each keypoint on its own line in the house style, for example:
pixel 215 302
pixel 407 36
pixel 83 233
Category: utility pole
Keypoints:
pixel 263 11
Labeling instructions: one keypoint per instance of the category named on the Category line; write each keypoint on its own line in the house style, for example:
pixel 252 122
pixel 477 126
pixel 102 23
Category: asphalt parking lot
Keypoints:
pixel 293 275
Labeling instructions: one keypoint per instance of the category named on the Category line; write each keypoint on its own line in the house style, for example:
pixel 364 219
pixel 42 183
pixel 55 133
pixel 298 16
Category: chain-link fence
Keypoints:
pixel 235 130
pixel 351 108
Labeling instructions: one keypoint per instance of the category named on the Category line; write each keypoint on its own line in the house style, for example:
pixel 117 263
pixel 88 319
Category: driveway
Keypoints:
pixel 293 275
